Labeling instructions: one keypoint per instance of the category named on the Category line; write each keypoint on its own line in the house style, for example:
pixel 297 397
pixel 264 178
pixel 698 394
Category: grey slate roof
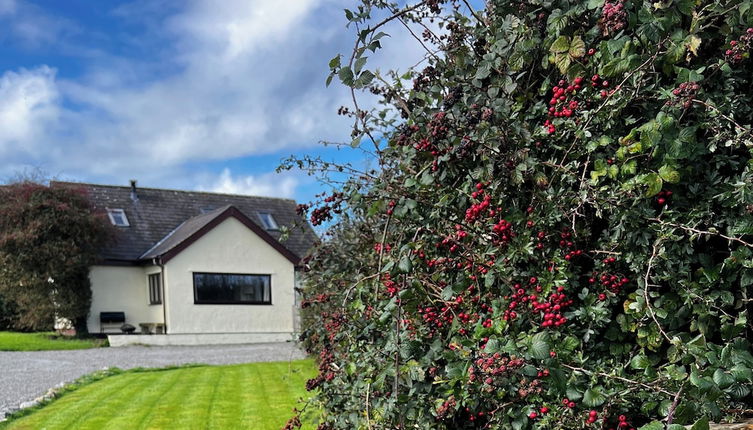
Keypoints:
pixel 157 213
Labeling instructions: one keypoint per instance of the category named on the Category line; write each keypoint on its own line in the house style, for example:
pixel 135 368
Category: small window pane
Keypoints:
pixel 268 221
pixel 223 288
pixel 118 217
pixel 155 289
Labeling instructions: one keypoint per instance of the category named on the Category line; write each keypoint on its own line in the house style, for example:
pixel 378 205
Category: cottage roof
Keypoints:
pixel 160 220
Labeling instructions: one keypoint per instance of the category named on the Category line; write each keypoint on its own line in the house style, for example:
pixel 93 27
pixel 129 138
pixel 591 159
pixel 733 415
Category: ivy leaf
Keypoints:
pixel 577 47
pixel 669 174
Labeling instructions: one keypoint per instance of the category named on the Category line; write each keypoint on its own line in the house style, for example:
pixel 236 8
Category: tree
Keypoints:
pixel 561 229
pixel 49 236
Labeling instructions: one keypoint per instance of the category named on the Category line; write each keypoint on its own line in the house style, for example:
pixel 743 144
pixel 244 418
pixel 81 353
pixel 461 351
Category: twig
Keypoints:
pixel 675 402
pixel 697 231
pixel 715 109
pixel 368 415
pixel 619 378
pixel 473 12
pixel 654 253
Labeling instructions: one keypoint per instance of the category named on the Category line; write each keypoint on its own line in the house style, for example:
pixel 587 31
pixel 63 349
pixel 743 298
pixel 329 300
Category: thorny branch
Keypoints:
pixel 654 253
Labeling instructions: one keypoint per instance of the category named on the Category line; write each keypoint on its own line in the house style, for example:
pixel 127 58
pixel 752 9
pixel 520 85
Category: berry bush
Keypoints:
pixel 560 231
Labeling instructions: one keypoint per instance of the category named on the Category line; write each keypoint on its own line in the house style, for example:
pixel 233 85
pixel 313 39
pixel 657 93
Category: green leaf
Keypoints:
pixel 738 390
pixel 561 45
pixel 701 424
pixel 693 42
pixel 335 62
pixel 593 397
pixel 539 347
pixel 405 265
pixel 640 361
pixel 669 174
pixel 562 61
pixel 346 76
pixel 723 379
pixel 653 425
pixel 358 65
pixel 654 183
pixel 577 47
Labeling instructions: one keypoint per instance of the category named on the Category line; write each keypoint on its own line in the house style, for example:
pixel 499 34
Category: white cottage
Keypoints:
pixel 196 268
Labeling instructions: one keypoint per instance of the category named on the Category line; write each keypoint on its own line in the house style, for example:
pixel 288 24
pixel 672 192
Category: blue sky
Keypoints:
pixel 189 94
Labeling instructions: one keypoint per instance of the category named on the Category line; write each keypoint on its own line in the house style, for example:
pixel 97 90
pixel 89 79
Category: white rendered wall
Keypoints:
pixel 230 247
pixel 122 289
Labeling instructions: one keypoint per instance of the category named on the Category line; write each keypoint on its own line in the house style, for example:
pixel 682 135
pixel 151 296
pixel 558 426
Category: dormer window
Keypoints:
pixel 268 221
pixel 118 217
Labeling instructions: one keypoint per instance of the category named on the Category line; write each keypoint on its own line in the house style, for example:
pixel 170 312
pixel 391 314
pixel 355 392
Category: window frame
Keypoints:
pixel 196 300
pixel 155 287
pixel 268 221
pixel 121 213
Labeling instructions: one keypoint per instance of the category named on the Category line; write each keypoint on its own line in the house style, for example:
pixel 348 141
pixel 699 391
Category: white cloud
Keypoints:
pixel 234 81
pixel 28 107
pixel 270 185
pixel 7 7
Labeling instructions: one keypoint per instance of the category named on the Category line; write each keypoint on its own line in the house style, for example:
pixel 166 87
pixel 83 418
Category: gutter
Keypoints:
pixel 158 261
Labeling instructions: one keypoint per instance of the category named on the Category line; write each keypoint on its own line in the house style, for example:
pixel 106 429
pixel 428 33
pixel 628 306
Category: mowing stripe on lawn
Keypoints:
pixel 257 395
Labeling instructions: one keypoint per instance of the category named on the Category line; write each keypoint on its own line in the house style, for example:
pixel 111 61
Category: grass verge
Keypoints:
pixel 253 396
pixel 45 341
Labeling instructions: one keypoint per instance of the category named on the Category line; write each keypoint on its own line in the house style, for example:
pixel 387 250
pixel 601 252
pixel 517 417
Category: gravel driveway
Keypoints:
pixel 25 376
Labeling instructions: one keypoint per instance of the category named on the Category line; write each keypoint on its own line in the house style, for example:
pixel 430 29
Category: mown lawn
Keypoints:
pixel 247 396
pixel 13 341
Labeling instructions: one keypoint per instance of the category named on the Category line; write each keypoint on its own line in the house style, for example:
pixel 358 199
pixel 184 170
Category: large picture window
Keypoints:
pixel 226 288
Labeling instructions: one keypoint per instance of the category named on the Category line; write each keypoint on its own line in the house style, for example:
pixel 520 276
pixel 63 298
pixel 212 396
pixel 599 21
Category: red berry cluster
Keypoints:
pixel 684 94
pixel 550 309
pixel 739 48
pixel 319 298
pixel 567 403
pixel 613 17
pixel 560 105
pixel 482 205
pixel 378 248
pixel 489 369
pixel 447 408
pixel 622 423
pixel 390 285
pixel 663 198
pixel 592 417
pixel 613 282
pixel 502 233
pixel 324 213
pixel 326 358
pixel 597 82
pixel 436 317
pixel 453 240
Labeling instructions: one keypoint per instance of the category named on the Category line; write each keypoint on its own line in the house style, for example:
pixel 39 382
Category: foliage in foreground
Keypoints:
pixel 255 395
pixel 44 341
pixel 49 236
pixel 561 232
